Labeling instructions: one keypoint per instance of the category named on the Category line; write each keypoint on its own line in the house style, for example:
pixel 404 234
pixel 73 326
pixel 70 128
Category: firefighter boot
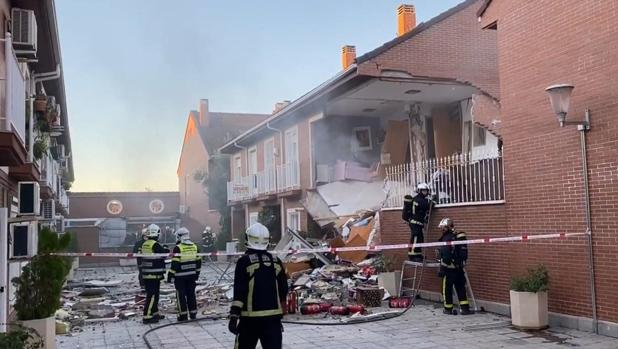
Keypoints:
pixel 465 310
pixel 449 311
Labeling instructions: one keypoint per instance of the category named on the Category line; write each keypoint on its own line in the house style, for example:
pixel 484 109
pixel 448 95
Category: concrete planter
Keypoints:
pixel 390 282
pixel 529 310
pixel 46 328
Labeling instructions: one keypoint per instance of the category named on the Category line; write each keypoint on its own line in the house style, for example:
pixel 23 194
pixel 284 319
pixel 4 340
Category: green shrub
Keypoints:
pixel 20 338
pixel 39 286
pixel 536 280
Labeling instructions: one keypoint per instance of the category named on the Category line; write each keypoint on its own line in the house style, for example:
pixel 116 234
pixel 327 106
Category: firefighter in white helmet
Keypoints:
pixel 262 277
pixel 415 213
pixel 185 271
pixel 452 262
pixel 153 269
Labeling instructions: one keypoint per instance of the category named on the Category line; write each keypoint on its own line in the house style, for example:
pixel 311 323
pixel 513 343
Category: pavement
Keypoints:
pixel 423 326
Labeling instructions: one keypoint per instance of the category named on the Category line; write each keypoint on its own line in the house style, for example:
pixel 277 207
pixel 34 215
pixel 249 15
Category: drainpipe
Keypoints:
pixel 593 294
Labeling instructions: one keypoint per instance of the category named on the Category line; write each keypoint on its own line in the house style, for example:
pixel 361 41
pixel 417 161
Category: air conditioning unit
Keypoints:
pixel 24 29
pixel 48 209
pixel 29 198
pixel 22 241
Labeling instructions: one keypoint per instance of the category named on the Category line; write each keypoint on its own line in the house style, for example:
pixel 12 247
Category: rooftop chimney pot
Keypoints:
pixel 348 56
pixel 406 19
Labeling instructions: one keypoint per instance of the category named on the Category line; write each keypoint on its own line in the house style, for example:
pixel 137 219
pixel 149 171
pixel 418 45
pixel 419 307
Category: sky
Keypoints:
pixel 133 70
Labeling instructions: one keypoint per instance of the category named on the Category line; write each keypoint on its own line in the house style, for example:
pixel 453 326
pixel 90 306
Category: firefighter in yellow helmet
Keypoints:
pixel 185 271
pixel 153 269
pixel 260 290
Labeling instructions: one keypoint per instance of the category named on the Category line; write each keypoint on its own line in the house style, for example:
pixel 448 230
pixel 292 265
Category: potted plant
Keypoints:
pixel 388 277
pixel 40 103
pixel 39 287
pixel 529 299
pixel 40 147
pixel 20 337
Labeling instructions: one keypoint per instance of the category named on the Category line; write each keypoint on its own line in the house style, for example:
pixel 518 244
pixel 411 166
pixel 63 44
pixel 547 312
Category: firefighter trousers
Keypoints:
pixel 268 330
pixel 416 237
pixel 151 307
pixel 185 297
pixel 457 278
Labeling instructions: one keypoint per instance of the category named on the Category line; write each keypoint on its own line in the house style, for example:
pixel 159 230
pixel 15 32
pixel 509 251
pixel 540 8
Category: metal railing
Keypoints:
pixel 270 181
pixel 49 173
pixel 464 179
pixel 13 117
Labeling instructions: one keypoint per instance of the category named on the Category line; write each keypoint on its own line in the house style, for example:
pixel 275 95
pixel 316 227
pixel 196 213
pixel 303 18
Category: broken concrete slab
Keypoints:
pixel 93 292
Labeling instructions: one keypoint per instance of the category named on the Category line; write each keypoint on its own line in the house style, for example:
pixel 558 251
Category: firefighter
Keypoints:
pixel 260 289
pixel 137 248
pixel 415 213
pixel 452 262
pixel 153 269
pixel 185 271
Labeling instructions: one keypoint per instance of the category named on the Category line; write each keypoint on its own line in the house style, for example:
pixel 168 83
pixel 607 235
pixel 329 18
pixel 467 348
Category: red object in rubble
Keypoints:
pixel 403 302
pixel 339 310
pixel 324 307
pixel 309 309
pixel 356 308
pixel 291 303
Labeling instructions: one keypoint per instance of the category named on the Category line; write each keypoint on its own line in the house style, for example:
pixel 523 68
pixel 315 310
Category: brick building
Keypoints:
pixel 205 132
pixel 410 100
pixel 111 222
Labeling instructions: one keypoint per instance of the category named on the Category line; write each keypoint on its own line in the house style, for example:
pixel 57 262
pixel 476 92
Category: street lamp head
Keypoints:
pixel 560 99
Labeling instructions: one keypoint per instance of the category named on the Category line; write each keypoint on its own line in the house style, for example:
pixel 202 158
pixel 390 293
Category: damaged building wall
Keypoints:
pixel 334 139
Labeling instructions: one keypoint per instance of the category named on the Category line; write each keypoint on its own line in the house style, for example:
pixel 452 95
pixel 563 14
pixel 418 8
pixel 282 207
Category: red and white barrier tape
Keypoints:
pixel 525 237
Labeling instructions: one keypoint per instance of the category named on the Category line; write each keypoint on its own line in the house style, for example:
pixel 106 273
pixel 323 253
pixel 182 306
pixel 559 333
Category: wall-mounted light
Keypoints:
pixel 560 99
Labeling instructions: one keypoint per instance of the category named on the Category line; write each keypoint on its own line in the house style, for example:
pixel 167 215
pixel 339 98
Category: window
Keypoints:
pixel 253 165
pixel 291 146
pixel 479 136
pixel 253 218
pixel 293 219
pixel 269 153
pixel 237 168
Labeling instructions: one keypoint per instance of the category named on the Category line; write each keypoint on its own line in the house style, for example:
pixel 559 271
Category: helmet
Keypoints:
pixel 182 234
pixel 446 223
pixel 421 186
pixel 153 231
pixel 257 237
pixel 208 228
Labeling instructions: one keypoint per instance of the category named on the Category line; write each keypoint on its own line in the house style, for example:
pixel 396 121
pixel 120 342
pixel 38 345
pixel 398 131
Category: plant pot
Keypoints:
pixel 529 310
pixel 390 282
pixel 46 329
pixel 40 105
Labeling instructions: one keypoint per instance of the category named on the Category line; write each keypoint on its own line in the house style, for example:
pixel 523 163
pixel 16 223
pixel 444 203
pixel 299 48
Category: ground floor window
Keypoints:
pixel 253 218
pixel 293 219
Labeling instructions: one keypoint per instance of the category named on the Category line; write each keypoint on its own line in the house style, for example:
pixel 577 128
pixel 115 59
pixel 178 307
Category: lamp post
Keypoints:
pixel 560 99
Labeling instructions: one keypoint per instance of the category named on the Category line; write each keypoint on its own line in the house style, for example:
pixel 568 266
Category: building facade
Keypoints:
pixel 205 132
pixel 112 222
pixel 35 143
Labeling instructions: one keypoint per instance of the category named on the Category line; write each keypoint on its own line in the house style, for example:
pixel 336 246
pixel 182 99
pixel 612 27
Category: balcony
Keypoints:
pixel 458 180
pixel 49 177
pixel 13 116
pixel 272 181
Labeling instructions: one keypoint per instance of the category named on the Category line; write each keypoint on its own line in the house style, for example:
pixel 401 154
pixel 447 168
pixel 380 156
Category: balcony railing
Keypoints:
pixel 13 115
pixel 270 181
pixel 49 173
pixel 457 180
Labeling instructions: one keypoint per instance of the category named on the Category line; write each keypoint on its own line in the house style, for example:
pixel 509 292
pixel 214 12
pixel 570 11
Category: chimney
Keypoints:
pixel 348 55
pixel 280 105
pixel 204 119
pixel 406 19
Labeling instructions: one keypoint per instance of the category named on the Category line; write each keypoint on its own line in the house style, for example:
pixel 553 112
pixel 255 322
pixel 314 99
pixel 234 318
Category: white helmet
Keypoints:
pixel 153 231
pixel 182 234
pixel 208 228
pixel 446 222
pixel 257 237
pixel 422 186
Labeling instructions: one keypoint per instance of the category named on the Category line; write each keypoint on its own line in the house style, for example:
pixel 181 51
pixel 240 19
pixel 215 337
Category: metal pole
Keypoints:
pixel 4 269
pixel 593 295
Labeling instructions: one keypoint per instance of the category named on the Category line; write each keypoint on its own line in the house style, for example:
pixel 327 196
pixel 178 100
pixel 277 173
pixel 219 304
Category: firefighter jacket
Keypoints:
pixel 415 209
pixel 187 264
pixel 153 267
pixel 137 248
pixel 453 256
pixel 260 285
